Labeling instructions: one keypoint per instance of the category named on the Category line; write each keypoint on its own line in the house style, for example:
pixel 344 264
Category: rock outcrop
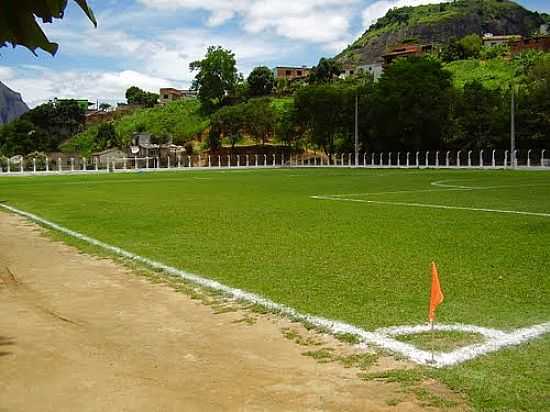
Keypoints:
pixel 11 104
pixel 438 24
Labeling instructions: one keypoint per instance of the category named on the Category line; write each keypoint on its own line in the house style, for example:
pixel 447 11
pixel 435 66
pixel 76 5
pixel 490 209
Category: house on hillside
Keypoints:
pixel 406 50
pixel 374 69
pixel 291 73
pixel 491 40
pixel 541 43
pixel 169 94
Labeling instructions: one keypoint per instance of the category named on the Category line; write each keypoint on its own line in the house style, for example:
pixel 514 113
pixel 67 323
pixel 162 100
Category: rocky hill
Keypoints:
pixel 439 23
pixel 11 104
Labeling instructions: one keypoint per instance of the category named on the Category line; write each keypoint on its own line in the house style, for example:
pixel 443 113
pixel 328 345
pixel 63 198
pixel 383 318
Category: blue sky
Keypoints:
pixel 150 43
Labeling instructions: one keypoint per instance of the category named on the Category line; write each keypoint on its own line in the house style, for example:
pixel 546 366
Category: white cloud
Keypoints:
pixel 317 21
pixel 40 85
pixel 380 8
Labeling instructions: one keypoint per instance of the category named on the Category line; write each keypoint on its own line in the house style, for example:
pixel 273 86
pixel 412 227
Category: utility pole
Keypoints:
pixel 357 129
pixel 513 129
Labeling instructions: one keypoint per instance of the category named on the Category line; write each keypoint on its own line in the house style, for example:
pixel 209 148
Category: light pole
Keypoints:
pixel 513 128
pixel 357 128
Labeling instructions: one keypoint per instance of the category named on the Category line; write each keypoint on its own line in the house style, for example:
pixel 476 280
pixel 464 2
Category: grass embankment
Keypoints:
pixel 367 264
pixel 182 120
pixel 494 74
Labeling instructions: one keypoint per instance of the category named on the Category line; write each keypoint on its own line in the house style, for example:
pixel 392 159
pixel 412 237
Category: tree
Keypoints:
pixel 229 122
pixel 459 49
pixel 216 77
pixel 261 82
pixel 411 105
pixel 260 118
pixel 134 95
pixel 287 128
pixel 480 118
pixel 320 109
pixel 18 24
pixel 57 121
pixel 20 137
pixel 326 71
pixel 106 137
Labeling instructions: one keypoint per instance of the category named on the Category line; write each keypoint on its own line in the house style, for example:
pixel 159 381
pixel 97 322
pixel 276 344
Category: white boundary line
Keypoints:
pixel 431 206
pixel 382 337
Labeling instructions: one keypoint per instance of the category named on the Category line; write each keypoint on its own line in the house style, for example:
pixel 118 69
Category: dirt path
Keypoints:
pixel 79 333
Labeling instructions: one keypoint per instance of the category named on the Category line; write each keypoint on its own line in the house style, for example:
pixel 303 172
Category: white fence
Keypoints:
pixel 486 159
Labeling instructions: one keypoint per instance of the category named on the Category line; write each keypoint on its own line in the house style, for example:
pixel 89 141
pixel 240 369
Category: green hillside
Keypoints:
pixel 439 23
pixel 181 120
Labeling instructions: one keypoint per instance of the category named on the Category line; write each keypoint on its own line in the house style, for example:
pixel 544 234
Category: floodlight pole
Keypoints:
pixel 513 129
pixel 357 129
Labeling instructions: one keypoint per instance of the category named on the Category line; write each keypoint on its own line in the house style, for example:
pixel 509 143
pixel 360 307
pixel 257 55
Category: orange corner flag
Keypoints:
pixel 436 296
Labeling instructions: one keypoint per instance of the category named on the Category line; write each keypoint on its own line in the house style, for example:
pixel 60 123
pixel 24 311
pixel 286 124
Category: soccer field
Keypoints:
pixel 350 245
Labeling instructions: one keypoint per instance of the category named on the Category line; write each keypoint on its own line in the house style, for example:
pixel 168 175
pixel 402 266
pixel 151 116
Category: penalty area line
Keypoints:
pixel 382 338
pixel 431 206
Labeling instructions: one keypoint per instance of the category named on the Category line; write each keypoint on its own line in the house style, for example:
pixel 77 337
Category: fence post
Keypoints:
pixel 494 161
pixel 47 164
pixel 59 165
pixel 256 160
pixel 381 159
pixel 97 165
pixel 199 161
pixel 469 158
pixel 21 165
pixel 85 165
pixel 408 159
pixel 34 165
pixel 447 158
pixel 481 162
pixel 265 160
pixel 209 161
pixel 529 158
pixel 9 165
pixel 541 157
pixel 417 159
pixel 247 160
pixel 458 158
pixel 168 164
pixel 515 158
pixel 427 159
pixel 372 159
pixel 274 160
pixel 505 158
pixel 219 161
pixel 389 159
pixel 238 160
pixel 398 159
pixel 72 164
pixel 437 158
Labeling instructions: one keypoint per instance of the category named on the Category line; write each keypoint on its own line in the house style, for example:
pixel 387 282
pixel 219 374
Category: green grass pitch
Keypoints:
pixel 362 263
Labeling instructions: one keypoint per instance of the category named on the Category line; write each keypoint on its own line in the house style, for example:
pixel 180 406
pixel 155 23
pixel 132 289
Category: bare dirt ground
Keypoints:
pixel 79 333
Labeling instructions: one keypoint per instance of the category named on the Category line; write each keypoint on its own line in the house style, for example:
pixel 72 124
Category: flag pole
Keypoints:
pixel 433 340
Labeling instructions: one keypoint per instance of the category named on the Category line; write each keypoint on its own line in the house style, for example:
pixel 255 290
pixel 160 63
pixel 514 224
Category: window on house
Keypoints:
pixel 351 72
pixel 288 72
pixel 299 73
pixel 166 96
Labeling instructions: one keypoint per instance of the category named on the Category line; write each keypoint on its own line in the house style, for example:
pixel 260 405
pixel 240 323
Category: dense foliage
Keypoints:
pixel 138 97
pixel 181 120
pixel 43 128
pixel 261 82
pixel 216 78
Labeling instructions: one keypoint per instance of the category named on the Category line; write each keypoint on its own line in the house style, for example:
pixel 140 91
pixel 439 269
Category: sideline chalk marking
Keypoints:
pixel 381 337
